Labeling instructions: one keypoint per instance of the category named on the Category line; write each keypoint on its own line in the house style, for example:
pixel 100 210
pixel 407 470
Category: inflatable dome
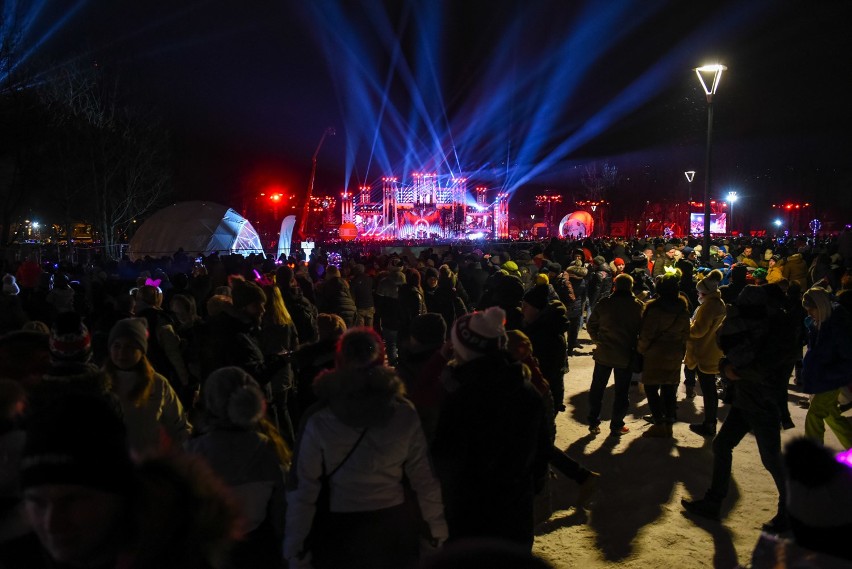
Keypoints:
pixel 200 228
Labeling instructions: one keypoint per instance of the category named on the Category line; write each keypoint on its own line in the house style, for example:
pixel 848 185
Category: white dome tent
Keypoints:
pixel 200 228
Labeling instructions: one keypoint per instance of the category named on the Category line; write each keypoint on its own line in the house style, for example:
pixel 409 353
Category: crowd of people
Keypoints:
pixel 387 409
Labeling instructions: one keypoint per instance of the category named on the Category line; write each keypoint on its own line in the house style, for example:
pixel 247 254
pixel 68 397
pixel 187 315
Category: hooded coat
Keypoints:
pixel 547 335
pixel 371 479
pixel 491 449
pixel 662 340
pixel 795 270
pixel 614 328
pixel 702 350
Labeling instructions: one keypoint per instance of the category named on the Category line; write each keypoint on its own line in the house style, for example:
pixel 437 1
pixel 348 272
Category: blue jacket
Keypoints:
pixel 828 362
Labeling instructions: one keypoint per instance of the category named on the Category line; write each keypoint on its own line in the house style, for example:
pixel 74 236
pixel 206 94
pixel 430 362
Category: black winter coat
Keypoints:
pixel 547 335
pixel 491 449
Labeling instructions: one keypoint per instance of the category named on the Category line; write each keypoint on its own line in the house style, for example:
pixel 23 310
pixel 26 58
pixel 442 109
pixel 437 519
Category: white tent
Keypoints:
pixel 200 228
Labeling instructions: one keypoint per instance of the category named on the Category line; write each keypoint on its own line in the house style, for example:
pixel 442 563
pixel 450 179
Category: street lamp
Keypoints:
pixel 732 197
pixel 690 175
pixel 709 76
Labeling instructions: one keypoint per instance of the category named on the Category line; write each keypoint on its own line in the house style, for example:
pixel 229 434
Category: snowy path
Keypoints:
pixel 636 519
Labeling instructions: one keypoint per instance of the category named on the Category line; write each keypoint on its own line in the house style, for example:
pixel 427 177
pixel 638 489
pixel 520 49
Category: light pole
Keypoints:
pixel 690 175
pixel 709 76
pixel 732 197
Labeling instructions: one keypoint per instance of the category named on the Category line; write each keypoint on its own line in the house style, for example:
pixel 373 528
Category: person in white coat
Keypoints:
pixel 367 439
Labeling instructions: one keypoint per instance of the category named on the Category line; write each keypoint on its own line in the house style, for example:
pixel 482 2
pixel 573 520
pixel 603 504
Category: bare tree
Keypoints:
pixel 16 132
pixel 112 159
pixel 597 182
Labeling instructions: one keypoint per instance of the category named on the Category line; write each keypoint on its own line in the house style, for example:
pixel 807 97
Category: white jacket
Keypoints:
pixel 369 480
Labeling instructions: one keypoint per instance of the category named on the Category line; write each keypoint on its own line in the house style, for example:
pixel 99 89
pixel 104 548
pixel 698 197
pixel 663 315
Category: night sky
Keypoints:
pixel 519 95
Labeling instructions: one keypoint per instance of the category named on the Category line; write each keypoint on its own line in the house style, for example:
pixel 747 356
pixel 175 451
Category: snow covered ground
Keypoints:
pixel 636 520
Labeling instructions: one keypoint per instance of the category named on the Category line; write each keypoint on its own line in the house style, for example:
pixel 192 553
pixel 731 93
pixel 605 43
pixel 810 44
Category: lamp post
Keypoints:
pixel 709 76
pixel 690 175
pixel 732 197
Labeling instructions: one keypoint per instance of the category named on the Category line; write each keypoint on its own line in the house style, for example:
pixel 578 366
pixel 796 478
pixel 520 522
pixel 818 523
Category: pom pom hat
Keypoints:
pixel 479 334
pixel 710 283
pixel 10 285
pixel 233 398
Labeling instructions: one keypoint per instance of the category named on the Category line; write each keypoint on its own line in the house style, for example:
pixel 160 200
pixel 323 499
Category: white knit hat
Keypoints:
pixel 479 334
pixel 10 287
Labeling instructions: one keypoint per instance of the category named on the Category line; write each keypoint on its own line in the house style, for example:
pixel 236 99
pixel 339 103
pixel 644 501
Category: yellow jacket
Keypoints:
pixel 701 348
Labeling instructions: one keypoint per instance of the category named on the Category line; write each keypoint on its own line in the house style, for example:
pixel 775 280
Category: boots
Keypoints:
pixel 704 429
pixel 703 507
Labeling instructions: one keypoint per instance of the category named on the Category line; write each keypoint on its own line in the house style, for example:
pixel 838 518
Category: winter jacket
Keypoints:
pixel 164 349
pixel 580 288
pixel 702 351
pixel 410 304
pixel 662 340
pixel 334 297
pixel 303 313
pixel 774 274
pixel 491 449
pixel 160 414
pixel 371 478
pixel 760 341
pixel 614 328
pixel 600 284
pixel 473 279
pixel 361 286
pixel 796 270
pixel 444 300
pixel 547 335
pixel 228 341
pixel 827 364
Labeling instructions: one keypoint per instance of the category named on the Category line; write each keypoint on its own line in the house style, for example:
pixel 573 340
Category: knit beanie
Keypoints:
pixel 232 397
pixel 77 440
pixel 619 261
pixel 537 296
pixel 10 286
pixel 69 339
pixel 134 329
pixel 710 283
pixel 760 273
pixel 479 334
pixel 429 329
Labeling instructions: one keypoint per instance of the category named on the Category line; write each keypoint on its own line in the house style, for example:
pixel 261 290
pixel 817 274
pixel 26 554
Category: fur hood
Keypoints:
pixel 360 397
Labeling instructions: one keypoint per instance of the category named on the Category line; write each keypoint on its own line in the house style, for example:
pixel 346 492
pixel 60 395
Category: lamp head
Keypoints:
pixel 710 76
